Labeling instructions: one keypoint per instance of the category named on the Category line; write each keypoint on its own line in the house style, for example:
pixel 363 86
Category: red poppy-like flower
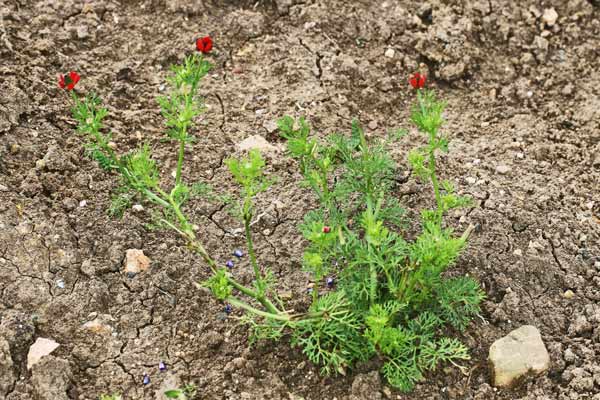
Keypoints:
pixel 417 81
pixel 204 44
pixel 326 229
pixel 69 81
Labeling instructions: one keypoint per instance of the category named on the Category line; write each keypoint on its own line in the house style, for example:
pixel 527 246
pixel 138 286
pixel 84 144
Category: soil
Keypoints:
pixel 523 114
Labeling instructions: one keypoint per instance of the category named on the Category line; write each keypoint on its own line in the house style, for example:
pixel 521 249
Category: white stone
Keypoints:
pixel 550 16
pixel 42 347
pixel 137 208
pixel 503 169
pixel 519 354
pixel 389 53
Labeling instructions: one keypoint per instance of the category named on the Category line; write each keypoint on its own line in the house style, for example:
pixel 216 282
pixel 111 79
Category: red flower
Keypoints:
pixel 204 44
pixel 326 229
pixel 68 82
pixel 417 81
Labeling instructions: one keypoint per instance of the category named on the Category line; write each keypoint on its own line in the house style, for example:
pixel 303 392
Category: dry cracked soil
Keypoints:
pixel 523 95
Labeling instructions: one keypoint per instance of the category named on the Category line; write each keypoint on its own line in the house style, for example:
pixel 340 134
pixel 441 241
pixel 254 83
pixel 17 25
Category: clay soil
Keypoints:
pixel 523 114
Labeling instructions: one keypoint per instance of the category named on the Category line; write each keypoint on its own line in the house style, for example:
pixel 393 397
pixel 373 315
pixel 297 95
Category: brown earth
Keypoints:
pixel 523 113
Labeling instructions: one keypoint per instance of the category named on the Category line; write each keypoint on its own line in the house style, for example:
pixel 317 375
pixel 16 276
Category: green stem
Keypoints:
pixel 180 162
pixel 436 185
pixel 270 315
pixel 257 274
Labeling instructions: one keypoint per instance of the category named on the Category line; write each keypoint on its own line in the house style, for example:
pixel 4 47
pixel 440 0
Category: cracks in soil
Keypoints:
pixel 549 240
pixel 222 126
pixel 318 59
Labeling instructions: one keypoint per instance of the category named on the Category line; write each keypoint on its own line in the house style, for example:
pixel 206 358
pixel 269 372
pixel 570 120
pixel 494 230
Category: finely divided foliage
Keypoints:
pixel 391 297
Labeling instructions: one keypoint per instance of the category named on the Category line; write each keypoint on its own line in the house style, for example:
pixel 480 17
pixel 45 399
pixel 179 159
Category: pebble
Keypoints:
pixel 568 294
pixel 503 169
pixel 372 125
pixel 520 353
pixel 137 208
pixel 518 252
pixel 470 180
pixel 82 203
pixel 42 347
pixel 389 53
pixel 549 17
pixel 135 262
pixel 3 188
pixel 82 32
pixel 309 25
pixel 60 283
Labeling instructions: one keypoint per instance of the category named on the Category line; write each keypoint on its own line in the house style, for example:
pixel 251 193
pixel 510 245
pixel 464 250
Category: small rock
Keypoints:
pixel 568 294
pixel 82 203
pixel 372 125
pixel 256 142
pixel 389 53
pixel 3 188
pixel 82 32
pixel 135 262
pixel 309 25
pixel 568 89
pixel 471 180
pixel 518 252
pixel 569 356
pixel 549 17
pixel 137 208
pixel 42 347
pixel 503 169
pixel 517 355
pixel 285 295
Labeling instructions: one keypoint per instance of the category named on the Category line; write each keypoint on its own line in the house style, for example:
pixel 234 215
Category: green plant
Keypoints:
pixel 186 393
pixel 391 297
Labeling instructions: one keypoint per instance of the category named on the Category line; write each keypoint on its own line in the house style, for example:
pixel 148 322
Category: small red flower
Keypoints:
pixel 326 229
pixel 417 81
pixel 69 81
pixel 204 44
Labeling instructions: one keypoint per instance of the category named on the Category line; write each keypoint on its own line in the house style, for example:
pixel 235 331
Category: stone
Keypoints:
pixel 135 262
pixel 51 378
pixel 372 125
pixel 42 347
pixel 389 53
pixel 137 208
pixel 7 375
pixel 519 354
pixel 549 17
pixel 503 169
pixel 256 142
pixel 82 32
pixel 568 294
